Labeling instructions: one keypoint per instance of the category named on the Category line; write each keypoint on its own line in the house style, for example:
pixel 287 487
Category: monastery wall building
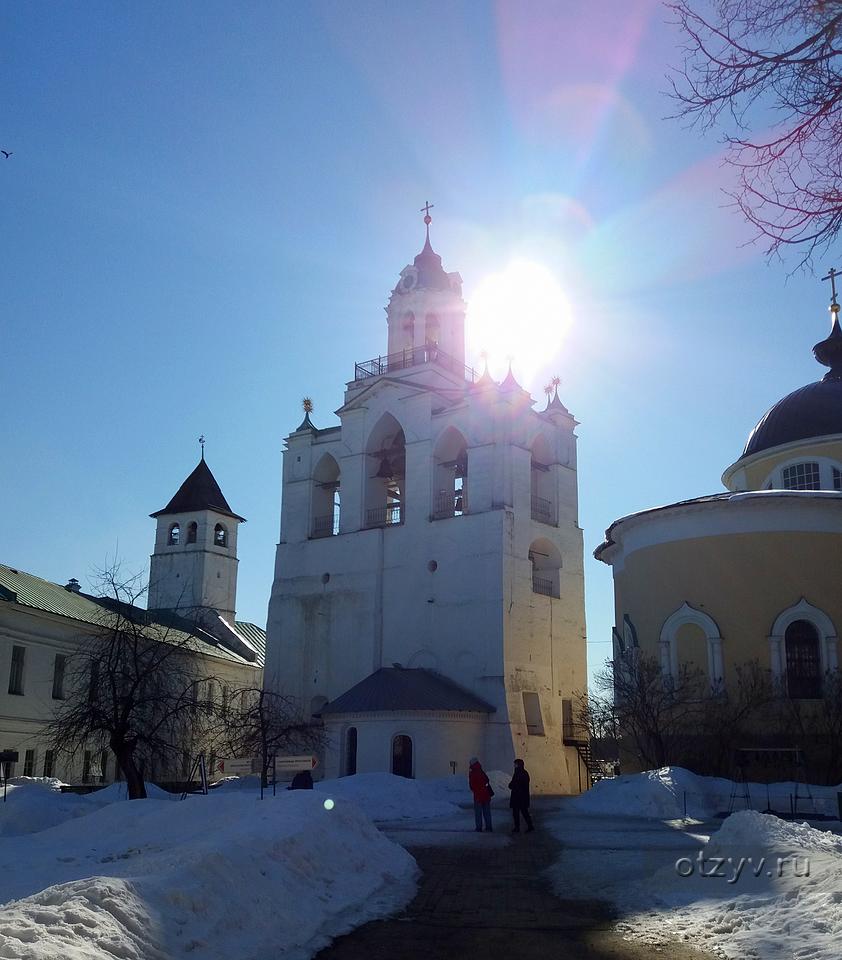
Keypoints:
pixel 428 601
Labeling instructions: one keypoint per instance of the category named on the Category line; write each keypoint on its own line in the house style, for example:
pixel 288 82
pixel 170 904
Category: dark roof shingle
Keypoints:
pixel 413 688
pixel 200 491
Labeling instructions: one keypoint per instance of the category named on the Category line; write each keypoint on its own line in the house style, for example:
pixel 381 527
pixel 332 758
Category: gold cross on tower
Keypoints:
pixel 833 273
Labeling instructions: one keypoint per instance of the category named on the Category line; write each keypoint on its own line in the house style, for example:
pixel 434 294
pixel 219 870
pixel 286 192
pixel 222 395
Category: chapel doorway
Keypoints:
pixel 351 752
pixel 402 756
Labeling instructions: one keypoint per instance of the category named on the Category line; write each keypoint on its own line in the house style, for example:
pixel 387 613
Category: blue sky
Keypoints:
pixel 208 204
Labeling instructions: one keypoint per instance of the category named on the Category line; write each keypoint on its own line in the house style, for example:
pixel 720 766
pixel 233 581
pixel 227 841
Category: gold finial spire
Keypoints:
pixel 307 405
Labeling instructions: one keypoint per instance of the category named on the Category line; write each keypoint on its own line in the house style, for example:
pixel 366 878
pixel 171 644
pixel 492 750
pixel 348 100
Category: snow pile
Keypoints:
pixel 761 888
pixel 663 793
pixel 383 796
pixel 455 789
pixel 215 876
pixel 34 804
pixel 653 793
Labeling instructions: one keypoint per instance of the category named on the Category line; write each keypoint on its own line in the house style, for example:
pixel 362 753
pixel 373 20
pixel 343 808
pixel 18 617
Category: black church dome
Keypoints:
pixel 811 411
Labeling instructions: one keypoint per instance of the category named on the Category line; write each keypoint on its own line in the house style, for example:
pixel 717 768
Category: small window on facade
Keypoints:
pixel 58 676
pixel 837 478
pixel 29 763
pixel 8 767
pixel 103 765
pixel 86 767
pixel 220 537
pixel 803 661
pixel 192 530
pixel 49 763
pixel 801 476
pixel 532 712
pixel 16 672
pixel 175 535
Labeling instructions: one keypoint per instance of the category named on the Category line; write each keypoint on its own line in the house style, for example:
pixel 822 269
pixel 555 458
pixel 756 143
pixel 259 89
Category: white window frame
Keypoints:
pixel 668 645
pixel 803 610
pixel 775 479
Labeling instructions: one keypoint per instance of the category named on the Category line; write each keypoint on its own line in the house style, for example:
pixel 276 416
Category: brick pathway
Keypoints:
pixel 493 902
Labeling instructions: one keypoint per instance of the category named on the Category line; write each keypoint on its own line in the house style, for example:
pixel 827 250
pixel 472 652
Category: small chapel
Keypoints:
pixel 428 597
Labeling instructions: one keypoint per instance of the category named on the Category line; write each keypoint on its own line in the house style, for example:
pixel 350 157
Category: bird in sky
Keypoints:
pixel 6 153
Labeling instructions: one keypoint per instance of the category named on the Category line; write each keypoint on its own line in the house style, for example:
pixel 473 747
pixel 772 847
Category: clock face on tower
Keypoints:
pixel 407 282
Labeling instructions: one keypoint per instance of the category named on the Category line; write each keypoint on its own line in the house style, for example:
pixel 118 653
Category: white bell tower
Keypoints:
pixel 194 565
pixel 426 309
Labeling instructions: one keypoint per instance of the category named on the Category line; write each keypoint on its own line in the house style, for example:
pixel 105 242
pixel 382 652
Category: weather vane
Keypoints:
pixel 833 273
pixel 202 444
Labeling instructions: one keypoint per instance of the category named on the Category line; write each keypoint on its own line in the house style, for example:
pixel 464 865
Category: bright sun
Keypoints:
pixel 519 313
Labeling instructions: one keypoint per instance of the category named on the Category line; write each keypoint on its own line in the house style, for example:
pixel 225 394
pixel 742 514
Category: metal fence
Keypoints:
pixel 417 356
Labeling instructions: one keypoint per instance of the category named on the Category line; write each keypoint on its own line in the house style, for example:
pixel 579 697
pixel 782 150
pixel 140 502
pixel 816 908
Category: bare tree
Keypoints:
pixel 135 686
pixel 264 724
pixel 752 65
pixel 655 713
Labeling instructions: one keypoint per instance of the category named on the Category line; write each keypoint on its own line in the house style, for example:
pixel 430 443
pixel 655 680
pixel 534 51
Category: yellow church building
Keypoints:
pixel 753 573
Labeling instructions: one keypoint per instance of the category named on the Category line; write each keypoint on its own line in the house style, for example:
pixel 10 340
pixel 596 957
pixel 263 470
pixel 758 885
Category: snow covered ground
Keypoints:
pixel 736 888
pixel 95 877
pixel 663 794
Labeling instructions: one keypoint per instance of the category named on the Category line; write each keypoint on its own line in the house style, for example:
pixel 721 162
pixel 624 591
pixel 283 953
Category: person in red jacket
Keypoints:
pixel 481 789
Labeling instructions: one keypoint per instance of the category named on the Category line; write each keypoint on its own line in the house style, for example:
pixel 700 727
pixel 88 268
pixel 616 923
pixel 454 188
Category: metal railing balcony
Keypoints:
pixel 384 516
pixel 544 586
pixel 450 504
pixel 415 357
pixel 543 510
pixel 327 526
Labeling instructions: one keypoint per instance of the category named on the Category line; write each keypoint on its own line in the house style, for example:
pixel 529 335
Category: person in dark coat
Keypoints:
pixel 481 789
pixel 519 801
pixel 303 780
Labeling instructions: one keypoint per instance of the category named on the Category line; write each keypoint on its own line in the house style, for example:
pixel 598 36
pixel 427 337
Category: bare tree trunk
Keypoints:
pixel 134 777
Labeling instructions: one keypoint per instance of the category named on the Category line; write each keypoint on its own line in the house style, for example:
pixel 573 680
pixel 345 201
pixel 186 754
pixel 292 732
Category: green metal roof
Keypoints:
pixel 256 636
pixel 27 590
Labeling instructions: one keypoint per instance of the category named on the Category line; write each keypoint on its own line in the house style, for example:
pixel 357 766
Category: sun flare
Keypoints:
pixel 519 313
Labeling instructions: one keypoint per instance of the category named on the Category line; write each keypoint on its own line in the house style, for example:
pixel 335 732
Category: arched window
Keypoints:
pixel 801 476
pixel 402 756
pixel 192 529
pixel 386 474
pixel 325 499
pixel 220 536
pixel 542 482
pixel 546 568
pixel 350 765
pixel 174 535
pixel 690 639
pixel 450 476
pixel 802 648
pixel 432 329
pixel 820 473
pixel 803 661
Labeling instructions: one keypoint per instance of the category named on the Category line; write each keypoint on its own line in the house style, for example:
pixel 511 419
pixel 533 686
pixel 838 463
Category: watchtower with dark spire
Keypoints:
pixel 194 565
